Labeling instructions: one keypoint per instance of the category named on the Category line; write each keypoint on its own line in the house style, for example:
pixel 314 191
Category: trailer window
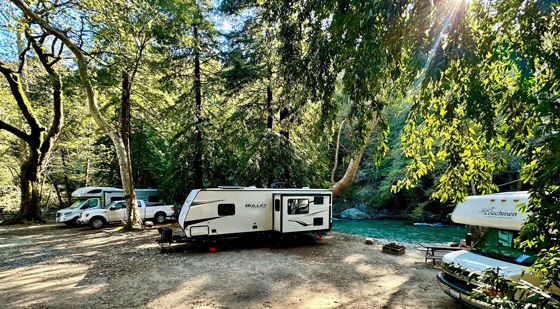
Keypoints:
pixel 298 206
pixel 226 210
pixel 318 200
pixel 153 198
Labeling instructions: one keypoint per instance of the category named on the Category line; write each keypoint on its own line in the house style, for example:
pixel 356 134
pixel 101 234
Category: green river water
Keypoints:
pixel 401 231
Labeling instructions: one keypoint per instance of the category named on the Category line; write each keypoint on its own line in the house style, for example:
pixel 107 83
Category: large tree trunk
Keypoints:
pixel 133 214
pixel 39 140
pixel 352 168
pixel 197 87
pixel 30 198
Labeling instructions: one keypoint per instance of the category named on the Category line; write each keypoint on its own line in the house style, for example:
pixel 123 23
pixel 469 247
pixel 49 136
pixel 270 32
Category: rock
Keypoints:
pixel 148 224
pixel 354 214
pixel 362 207
pixel 369 241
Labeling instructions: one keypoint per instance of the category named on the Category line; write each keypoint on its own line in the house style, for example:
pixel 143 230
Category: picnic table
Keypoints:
pixel 437 251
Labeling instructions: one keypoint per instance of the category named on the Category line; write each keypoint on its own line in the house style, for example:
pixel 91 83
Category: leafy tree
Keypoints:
pixel 39 139
pixel 498 96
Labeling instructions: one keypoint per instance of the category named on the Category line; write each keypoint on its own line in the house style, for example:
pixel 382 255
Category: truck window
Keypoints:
pixel 226 210
pixel 118 206
pixel 91 203
pixel 298 206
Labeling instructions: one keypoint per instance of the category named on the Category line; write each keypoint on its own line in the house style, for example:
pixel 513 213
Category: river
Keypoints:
pixel 401 231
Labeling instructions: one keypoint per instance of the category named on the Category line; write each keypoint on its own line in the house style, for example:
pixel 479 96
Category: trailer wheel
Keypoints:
pixel 159 218
pixel 97 222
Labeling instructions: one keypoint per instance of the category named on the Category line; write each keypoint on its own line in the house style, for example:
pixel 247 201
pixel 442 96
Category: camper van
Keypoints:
pixel 241 210
pixel 498 212
pixel 98 197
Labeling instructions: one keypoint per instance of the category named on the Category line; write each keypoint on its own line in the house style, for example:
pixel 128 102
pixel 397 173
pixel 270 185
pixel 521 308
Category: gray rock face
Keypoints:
pixel 362 207
pixel 354 214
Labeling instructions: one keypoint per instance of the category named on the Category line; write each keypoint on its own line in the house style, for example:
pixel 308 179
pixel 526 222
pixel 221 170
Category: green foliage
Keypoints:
pixel 492 288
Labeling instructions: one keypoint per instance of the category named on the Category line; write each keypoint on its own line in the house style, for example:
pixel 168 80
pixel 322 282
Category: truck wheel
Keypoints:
pixel 159 218
pixel 97 223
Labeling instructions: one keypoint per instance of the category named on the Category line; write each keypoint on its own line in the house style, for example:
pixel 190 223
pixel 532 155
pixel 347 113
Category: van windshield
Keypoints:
pixel 498 244
pixel 77 204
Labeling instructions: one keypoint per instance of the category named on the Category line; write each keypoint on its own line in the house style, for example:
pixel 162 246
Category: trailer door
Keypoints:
pixel 276 212
pixel 305 213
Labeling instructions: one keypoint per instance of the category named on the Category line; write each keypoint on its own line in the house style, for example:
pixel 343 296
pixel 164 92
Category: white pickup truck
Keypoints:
pixel 116 212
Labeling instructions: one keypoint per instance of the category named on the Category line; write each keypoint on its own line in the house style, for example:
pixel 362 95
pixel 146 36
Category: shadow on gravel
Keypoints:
pixel 242 243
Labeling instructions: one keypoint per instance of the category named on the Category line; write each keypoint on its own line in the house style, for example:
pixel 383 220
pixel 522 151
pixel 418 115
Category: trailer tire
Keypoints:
pixel 159 218
pixel 97 222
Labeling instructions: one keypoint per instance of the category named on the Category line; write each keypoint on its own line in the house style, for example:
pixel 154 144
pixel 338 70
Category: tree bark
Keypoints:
pixel 66 181
pixel 58 195
pixel 352 168
pixel 269 100
pixel 197 87
pixel 133 214
pixel 336 153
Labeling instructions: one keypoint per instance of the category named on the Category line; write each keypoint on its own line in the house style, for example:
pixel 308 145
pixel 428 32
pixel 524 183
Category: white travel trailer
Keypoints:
pixel 499 212
pixel 239 210
pixel 98 197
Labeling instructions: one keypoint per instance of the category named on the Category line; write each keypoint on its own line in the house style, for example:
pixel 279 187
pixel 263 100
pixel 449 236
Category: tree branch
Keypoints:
pixel 58 117
pixel 20 97
pixel 80 59
pixel 15 131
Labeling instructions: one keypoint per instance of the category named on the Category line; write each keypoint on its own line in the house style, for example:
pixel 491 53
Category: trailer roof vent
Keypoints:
pixel 251 187
pixel 94 191
pixel 306 188
pixel 278 185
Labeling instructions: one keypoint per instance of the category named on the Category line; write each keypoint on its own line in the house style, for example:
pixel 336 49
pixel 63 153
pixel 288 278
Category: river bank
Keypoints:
pixel 57 267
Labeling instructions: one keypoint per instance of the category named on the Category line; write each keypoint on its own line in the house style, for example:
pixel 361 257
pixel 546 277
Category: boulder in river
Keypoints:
pixel 354 214
pixel 362 207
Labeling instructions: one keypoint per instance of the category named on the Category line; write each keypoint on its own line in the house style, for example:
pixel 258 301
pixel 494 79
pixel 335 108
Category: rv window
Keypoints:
pixel 277 204
pixel 117 198
pixel 94 191
pixel 318 200
pixel 298 206
pixel 226 210
pixel 153 198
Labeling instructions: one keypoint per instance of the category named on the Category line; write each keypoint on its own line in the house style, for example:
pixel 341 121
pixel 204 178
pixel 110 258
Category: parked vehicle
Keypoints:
pixel 493 250
pixel 96 197
pixel 116 213
pixel 230 211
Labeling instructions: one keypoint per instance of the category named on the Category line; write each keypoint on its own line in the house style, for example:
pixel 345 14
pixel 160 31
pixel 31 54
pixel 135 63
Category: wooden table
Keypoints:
pixel 436 251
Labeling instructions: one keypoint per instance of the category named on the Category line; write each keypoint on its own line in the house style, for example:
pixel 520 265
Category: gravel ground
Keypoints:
pixel 53 266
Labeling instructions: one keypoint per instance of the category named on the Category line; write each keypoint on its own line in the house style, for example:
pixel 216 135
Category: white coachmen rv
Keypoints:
pixel 239 210
pixel 495 249
pixel 98 197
